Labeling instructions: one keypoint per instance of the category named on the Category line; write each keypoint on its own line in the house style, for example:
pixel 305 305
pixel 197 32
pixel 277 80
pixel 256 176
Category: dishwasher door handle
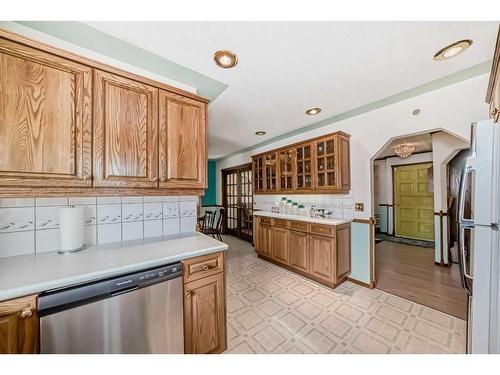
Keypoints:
pixel 123 291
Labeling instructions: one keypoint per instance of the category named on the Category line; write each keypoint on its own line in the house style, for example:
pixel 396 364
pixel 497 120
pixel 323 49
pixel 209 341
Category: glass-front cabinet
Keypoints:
pixel 320 165
pixel 271 169
pixel 325 163
pixel 304 167
pixel 258 173
pixel 286 164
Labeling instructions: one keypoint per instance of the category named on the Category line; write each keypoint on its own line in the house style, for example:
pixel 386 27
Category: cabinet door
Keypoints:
pixel 321 253
pixel 344 163
pixel 183 142
pixel 45 119
pixel 280 244
pixel 298 250
pixel 19 327
pixel 205 315
pixel 286 162
pixel 258 174
pixel 265 241
pixel 303 167
pixel 270 171
pixel 326 164
pixel 125 132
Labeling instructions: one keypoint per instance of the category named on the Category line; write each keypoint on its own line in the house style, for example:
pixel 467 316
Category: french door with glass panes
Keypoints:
pixel 238 201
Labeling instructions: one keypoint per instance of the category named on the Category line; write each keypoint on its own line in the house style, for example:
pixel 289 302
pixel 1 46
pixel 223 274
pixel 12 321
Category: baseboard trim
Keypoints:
pixel 371 285
pixel 442 264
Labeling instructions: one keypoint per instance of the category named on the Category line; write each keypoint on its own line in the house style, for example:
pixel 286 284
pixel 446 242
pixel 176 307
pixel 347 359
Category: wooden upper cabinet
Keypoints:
pixel 320 165
pixel 125 132
pixel 493 92
pixel 19 326
pixel 183 142
pixel 45 119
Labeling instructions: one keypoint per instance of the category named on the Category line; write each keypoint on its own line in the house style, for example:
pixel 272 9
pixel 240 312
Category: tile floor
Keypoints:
pixel 272 310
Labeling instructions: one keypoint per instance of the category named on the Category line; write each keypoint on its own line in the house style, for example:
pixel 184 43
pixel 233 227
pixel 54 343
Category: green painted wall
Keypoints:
pixel 360 252
pixel 211 190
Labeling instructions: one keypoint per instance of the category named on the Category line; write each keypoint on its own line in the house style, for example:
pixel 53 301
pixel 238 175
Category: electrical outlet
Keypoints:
pixel 359 206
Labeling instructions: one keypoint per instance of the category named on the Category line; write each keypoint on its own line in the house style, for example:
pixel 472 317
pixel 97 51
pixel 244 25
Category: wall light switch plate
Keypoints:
pixel 359 206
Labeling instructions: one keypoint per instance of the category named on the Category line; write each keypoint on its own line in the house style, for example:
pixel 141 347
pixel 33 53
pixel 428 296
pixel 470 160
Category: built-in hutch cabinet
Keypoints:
pixel 70 125
pixel 319 165
pixel 318 251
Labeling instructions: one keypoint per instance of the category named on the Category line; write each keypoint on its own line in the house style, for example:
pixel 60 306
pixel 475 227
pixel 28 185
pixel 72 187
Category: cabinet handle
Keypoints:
pixel 86 177
pixel 163 179
pixel 187 294
pixel 495 111
pixel 26 312
pixel 205 267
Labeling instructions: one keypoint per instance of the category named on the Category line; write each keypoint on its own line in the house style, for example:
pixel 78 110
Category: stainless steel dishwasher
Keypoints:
pixel 140 312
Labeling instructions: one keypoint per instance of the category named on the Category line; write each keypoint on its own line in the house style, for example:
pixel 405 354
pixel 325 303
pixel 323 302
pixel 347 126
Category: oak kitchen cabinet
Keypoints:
pixel 73 126
pixel 316 166
pixel 183 144
pixel 45 119
pixel 318 251
pixel 19 326
pixel 125 132
pixel 204 304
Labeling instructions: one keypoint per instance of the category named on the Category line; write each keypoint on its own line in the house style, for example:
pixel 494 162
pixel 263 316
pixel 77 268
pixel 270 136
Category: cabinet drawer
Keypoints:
pixel 325 230
pixel 266 220
pixel 298 225
pixel 283 223
pixel 200 267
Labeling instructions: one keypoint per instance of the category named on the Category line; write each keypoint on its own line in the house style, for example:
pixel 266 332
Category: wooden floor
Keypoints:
pixel 410 272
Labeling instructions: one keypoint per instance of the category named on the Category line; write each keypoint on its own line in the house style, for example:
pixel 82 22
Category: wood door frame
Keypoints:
pixel 224 173
pixel 394 194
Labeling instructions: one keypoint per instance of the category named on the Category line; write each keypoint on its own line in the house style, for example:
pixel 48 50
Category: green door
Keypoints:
pixel 414 203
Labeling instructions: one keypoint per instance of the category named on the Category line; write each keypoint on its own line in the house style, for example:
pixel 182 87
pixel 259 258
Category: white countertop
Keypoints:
pixel 318 220
pixel 30 274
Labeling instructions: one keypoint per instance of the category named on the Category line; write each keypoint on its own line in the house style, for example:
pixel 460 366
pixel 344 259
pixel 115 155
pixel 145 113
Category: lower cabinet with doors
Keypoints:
pixel 318 251
pixel 205 304
pixel 19 326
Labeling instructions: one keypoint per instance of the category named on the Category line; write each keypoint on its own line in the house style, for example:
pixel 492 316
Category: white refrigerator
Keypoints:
pixel 479 240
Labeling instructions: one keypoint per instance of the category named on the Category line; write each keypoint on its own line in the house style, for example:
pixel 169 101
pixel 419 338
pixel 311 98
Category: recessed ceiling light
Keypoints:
pixel 416 111
pixel 260 132
pixel 313 111
pixel 225 59
pixel 452 50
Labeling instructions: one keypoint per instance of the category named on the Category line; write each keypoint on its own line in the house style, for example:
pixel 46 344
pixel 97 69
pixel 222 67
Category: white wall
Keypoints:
pixel 452 108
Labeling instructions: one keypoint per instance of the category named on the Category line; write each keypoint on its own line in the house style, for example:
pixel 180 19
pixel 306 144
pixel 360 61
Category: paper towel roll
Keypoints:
pixel 71 231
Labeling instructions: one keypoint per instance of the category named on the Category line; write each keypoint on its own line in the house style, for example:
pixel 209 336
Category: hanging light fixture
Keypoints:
pixel 404 150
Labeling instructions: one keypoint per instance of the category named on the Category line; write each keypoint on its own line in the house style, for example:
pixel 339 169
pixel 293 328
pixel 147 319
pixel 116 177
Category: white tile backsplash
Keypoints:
pixel 171 226
pixel 29 225
pixel 341 206
pixel 109 233
pixel 153 228
pixel 19 219
pixel 17 243
pixel 132 212
pixel 188 224
pixel 170 209
pixel 109 213
pixel 47 217
pixel 132 231
pixel 17 202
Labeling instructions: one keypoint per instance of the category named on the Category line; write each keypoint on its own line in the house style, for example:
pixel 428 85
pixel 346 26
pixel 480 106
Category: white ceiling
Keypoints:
pixel 286 67
pixel 422 143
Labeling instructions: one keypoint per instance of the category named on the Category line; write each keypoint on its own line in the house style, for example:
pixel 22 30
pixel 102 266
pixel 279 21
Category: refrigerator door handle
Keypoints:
pixel 470 166
pixel 462 252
